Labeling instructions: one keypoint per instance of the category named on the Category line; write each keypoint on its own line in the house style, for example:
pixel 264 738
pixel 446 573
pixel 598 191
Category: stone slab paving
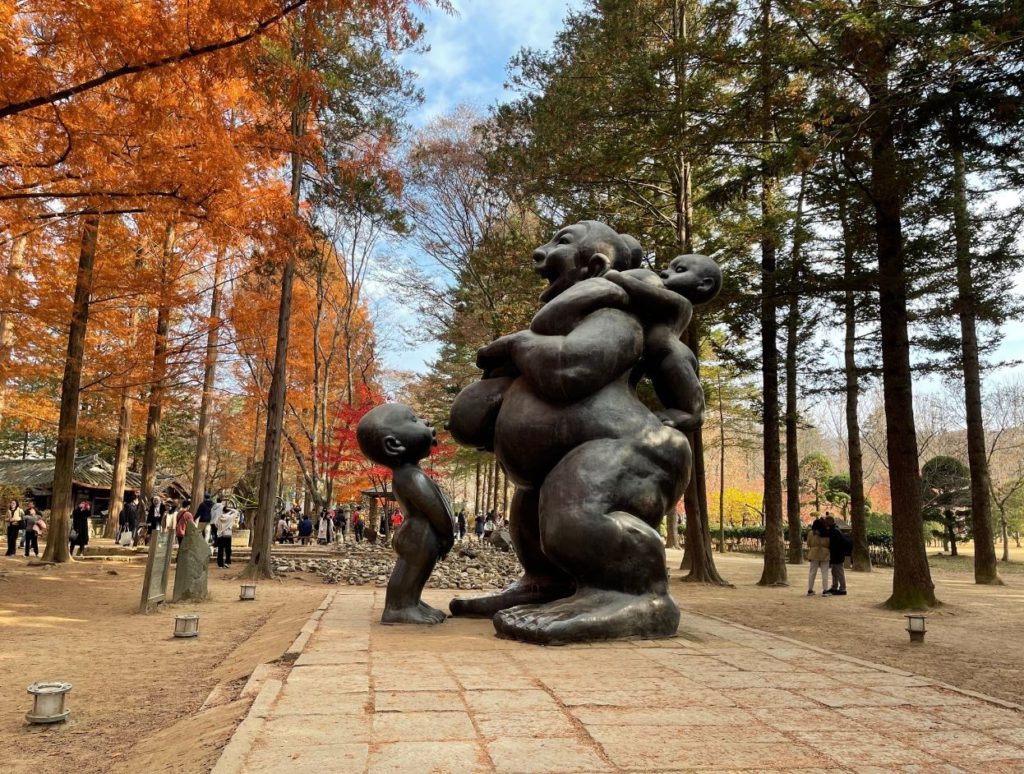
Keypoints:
pixel 362 697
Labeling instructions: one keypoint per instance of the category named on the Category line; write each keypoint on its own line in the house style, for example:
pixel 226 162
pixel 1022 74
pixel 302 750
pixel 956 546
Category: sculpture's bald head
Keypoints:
pixel 694 277
pixel 392 435
pixel 585 249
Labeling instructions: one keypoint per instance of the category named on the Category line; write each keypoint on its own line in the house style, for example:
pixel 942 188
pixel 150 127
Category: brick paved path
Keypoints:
pixel 453 698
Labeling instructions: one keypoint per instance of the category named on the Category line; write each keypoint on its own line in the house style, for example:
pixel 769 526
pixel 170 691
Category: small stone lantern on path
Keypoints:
pixel 916 627
pixel 247 592
pixel 48 702
pixel 186 626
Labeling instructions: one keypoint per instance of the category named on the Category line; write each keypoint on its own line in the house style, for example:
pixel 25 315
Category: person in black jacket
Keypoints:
pixel 128 518
pixel 838 549
pixel 204 515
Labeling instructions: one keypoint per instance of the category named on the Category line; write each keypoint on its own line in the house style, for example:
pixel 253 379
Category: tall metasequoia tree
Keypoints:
pixel 912 585
pixel 263 527
pixel 201 464
pixel 796 550
pixel 57 549
pixel 858 506
pixel 774 572
pixel 158 371
pixel 967 310
pixel 122 445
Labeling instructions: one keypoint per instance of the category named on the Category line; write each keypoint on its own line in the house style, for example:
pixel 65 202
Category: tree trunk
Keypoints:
pixel 858 508
pixel 119 477
pixel 57 549
pixel 7 307
pixel 967 307
pixel 200 466
pixel 774 556
pixel 796 549
pixel 122 445
pixel 699 557
pixel 774 573
pixel 721 469
pixel 259 565
pixel 1006 535
pixel 157 377
pixel 495 485
pixel 912 585
pixel 477 492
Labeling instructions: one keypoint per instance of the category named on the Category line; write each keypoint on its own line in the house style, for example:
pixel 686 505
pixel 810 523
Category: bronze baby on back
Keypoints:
pixel 393 436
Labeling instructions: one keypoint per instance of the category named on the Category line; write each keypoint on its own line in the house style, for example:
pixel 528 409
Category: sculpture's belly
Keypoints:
pixel 532 435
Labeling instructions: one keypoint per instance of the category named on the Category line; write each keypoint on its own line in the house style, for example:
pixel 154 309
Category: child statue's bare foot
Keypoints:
pixel 415 614
pixel 439 615
pixel 591 614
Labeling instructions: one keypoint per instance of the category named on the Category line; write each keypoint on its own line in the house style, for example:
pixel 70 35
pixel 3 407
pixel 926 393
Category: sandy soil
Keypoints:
pixel 138 691
pixel 973 640
pixel 135 704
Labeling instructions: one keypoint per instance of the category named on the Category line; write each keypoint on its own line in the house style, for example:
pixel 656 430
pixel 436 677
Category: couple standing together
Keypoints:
pixel 827 548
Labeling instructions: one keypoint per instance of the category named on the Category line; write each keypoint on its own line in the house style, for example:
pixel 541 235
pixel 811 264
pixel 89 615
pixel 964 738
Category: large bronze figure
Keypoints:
pixel 595 470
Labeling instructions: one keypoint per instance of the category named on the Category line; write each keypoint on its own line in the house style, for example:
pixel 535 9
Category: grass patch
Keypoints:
pixel 966 564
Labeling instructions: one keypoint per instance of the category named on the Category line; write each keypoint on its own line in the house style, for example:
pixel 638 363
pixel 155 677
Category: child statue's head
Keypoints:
pixel 696 278
pixel 393 435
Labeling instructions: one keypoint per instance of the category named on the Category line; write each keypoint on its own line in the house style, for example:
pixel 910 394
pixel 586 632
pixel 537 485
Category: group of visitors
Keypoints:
pixel 331 526
pixel 23 528
pixel 827 549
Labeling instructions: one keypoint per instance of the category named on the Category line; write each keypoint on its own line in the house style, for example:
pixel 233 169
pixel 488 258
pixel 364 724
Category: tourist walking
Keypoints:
pixel 223 524
pixel 13 519
pixel 216 510
pixel 80 528
pixel 181 523
pixel 818 555
pixel 340 524
pixel 32 534
pixel 305 530
pixel 128 519
pixel 358 525
pixel 204 515
pixel 325 532
pixel 839 549
pixel 155 517
pixel 29 521
pixel 460 521
pixel 479 526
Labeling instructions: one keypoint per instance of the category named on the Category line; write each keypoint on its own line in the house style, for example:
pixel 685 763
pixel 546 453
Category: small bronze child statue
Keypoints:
pixel 393 436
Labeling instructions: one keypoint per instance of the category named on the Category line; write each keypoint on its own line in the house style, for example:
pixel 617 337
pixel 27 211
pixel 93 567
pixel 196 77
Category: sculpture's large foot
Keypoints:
pixel 524 591
pixel 420 613
pixel 591 614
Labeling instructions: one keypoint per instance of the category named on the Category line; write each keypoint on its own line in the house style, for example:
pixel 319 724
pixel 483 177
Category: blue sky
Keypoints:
pixel 466 64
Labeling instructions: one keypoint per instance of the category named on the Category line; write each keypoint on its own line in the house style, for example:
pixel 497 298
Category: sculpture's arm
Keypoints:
pixel 605 345
pixel 426 497
pixel 678 388
pixel 651 300
pixel 561 315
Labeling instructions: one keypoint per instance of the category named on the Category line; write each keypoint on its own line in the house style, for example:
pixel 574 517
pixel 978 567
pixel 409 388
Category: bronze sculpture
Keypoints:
pixel 595 470
pixel 393 436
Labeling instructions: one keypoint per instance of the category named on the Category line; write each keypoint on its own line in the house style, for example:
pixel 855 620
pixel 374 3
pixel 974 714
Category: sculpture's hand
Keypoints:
pixel 679 420
pixel 498 354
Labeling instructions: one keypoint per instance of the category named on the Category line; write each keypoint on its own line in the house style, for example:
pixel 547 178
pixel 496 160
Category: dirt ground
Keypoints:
pixel 138 696
pixel 137 690
pixel 973 639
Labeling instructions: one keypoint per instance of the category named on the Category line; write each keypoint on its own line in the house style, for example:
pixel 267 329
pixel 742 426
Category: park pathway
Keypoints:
pixel 722 697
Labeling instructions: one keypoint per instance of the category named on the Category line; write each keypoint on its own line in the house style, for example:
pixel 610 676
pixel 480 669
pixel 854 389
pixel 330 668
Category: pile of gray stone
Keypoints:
pixel 476 565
